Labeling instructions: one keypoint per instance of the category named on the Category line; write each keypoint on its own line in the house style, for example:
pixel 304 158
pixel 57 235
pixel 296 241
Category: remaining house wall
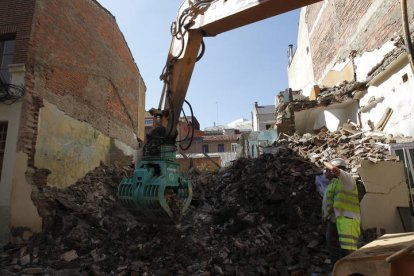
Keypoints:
pixel 300 70
pixel 11 114
pixel 332 117
pixel 91 75
pixel 83 104
pixel 390 85
pixel 67 147
pixel 16 206
pixel 339 28
pixel 348 39
pixel 263 116
pixel 386 190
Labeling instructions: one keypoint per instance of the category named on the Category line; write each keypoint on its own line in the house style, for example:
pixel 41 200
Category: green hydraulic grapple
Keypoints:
pixel 156 193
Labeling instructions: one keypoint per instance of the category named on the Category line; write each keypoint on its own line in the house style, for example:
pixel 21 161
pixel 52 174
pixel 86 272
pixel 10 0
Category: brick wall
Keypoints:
pixel 79 61
pixel 350 25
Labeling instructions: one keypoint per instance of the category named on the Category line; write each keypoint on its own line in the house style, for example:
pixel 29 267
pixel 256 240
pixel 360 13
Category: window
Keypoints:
pixel 6 58
pixel 3 135
pixel 253 154
pixel 205 148
pixel 233 147
pixel 220 148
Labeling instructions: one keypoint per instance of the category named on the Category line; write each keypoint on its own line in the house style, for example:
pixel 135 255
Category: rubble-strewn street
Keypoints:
pixel 258 217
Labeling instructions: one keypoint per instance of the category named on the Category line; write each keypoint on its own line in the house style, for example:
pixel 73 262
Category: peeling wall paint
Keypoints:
pixel 365 62
pixel 69 148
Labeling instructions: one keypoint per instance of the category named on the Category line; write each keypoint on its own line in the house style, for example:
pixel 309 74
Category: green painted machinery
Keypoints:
pixel 156 193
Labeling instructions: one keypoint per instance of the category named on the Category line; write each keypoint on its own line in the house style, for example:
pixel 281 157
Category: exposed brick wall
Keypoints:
pixel 80 62
pixel 339 31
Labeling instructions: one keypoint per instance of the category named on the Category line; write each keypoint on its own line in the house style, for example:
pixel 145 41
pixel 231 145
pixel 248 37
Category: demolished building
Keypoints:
pixel 352 65
pixel 366 52
pixel 72 98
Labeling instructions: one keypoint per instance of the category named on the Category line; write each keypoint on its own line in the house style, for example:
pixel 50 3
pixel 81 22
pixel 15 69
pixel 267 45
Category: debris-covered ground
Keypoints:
pixel 257 217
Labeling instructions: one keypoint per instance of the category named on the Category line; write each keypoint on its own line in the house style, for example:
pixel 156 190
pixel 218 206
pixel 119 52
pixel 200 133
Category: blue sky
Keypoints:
pixel 239 67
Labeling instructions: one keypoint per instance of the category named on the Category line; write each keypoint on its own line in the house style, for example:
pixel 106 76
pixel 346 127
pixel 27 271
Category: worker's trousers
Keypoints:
pixel 348 232
pixel 332 241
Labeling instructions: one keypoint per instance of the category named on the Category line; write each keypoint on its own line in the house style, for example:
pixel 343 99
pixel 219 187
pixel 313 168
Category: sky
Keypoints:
pixel 240 67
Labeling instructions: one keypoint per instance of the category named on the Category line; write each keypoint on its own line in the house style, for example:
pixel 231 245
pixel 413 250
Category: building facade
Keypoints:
pixel 77 100
pixel 263 117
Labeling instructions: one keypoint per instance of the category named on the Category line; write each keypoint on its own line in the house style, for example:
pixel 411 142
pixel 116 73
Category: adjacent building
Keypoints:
pixel 351 61
pixel 263 117
pixel 71 97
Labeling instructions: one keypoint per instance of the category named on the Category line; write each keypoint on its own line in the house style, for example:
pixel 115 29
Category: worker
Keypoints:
pixel 341 210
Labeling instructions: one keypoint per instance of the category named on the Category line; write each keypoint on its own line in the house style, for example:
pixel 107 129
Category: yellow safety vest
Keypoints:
pixel 342 199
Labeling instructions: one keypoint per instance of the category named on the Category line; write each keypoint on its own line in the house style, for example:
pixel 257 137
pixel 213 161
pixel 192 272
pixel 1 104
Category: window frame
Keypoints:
pixel 204 148
pixel 234 147
pixel 220 148
pixel 3 39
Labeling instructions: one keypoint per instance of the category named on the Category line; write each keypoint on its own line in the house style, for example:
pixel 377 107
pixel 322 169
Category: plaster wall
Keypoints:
pixel 300 70
pixel 332 116
pixel 15 191
pixel 70 148
pixel 365 62
pixel 386 190
pixel 255 120
pixel 397 92
pixel 10 114
pixel 23 212
pixel 339 73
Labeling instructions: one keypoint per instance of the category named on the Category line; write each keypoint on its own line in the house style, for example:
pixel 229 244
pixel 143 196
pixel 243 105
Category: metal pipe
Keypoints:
pixel 406 28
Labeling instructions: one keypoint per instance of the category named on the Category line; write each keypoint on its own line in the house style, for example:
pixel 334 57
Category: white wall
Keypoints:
pixel 300 71
pixel 332 117
pixel 11 114
pixel 398 95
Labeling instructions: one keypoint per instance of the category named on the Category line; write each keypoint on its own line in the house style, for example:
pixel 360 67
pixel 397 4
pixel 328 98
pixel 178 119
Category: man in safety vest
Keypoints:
pixel 341 210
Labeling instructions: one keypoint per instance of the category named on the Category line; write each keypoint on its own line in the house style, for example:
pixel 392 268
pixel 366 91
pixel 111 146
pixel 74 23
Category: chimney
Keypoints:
pixel 290 53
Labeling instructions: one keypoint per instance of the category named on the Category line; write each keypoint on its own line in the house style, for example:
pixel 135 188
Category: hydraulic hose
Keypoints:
pixel 406 28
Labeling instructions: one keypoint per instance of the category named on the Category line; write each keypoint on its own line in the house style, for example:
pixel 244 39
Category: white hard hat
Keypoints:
pixel 338 162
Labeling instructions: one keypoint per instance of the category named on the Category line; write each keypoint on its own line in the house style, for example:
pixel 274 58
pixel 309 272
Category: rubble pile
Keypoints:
pixel 258 217
pixel 348 142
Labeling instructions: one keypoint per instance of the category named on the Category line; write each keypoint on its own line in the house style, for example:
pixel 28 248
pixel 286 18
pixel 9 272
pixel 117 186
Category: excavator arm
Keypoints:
pixel 156 192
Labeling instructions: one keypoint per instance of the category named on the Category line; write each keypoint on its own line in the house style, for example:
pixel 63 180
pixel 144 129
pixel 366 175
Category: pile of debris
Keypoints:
pixel 349 142
pixel 258 217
